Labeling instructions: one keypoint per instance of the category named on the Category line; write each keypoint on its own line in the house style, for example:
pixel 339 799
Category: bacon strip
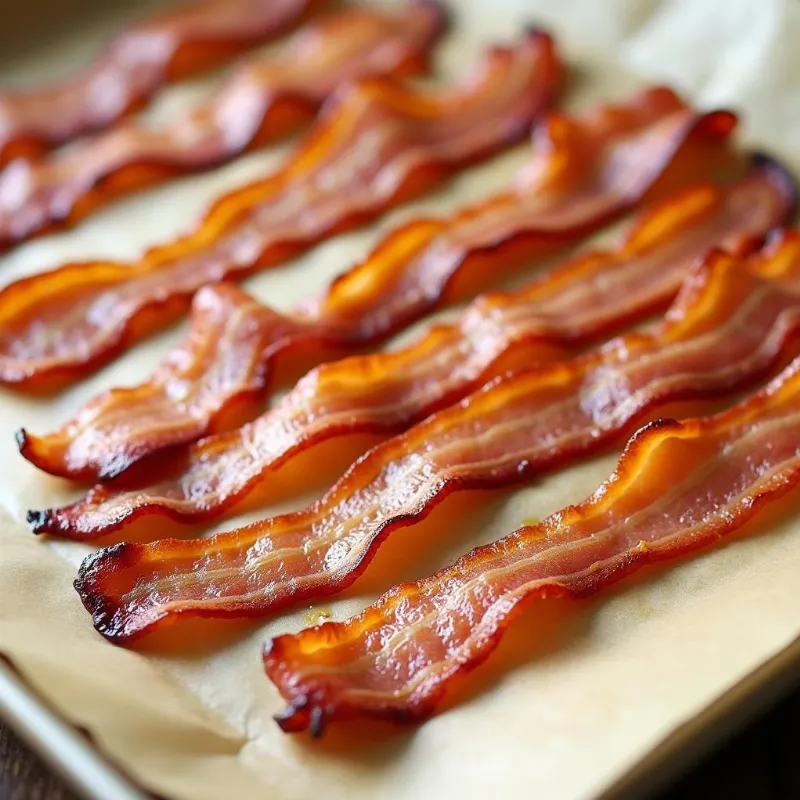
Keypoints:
pixel 388 392
pixel 679 487
pixel 264 100
pixel 583 173
pixel 172 45
pixel 729 326
pixel 377 145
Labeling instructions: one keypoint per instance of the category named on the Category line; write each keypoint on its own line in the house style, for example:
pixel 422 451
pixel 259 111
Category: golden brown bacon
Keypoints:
pixel 728 327
pixel 679 487
pixel 263 100
pixel 175 44
pixel 584 298
pixel 583 173
pixel 377 145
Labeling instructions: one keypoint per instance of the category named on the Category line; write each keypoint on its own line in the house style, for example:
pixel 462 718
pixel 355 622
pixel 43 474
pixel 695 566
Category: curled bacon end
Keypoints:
pixel 584 172
pixel 583 299
pixel 678 488
pixel 728 327
pixel 377 144
pixel 175 44
pixel 264 100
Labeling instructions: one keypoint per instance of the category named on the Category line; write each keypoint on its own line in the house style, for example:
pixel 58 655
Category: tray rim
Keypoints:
pixel 60 744
pixel 91 774
pixel 728 714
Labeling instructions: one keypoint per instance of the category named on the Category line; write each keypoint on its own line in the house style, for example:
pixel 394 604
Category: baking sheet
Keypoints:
pixel 61 746
pixel 581 696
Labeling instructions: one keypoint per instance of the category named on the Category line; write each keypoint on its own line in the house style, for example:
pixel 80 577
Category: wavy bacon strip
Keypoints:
pixel 264 100
pixel 583 173
pixel 377 145
pixel 679 487
pixel 172 45
pixel 728 327
pixel 388 392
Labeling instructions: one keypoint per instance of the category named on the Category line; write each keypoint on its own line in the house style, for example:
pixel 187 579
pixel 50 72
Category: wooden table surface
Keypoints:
pixel 760 763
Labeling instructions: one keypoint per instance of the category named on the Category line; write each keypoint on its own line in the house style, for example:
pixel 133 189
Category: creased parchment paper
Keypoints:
pixel 580 694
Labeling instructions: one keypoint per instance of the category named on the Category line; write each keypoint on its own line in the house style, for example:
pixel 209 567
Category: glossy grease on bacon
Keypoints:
pixel 679 487
pixel 733 322
pixel 583 173
pixel 589 296
pixel 377 144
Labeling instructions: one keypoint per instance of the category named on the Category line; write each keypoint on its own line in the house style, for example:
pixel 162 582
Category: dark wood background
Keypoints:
pixel 760 763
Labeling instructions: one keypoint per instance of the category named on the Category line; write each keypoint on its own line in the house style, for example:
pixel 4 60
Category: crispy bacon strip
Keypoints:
pixel 583 299
pixel 679 487
pixel 264 100
pixel 172 45
pixel 377 145
pixel 583 173
pixel 728 327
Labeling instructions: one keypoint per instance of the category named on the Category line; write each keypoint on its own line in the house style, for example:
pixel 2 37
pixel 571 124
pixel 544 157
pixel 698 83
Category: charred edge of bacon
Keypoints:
pixel 305 704
pixel 54 521
pixel 783 176
pixel 116 623
pixel 28 447
pixel 445 18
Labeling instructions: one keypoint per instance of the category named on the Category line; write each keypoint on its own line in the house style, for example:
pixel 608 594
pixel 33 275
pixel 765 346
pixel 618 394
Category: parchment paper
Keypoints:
pixel 579 694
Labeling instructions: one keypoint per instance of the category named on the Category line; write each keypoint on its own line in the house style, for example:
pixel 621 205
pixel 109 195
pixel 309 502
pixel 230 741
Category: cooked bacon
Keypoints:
pixel 679 487
pixel 583 299
pixel 377 145
pixel 264 100
pixel 173 45
pixel 583 173
pixel 729 326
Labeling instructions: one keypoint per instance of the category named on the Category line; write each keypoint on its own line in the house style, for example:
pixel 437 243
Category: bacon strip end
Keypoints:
pixel 733 322
pixel 233 341
pixel 603 291
pixel 679 487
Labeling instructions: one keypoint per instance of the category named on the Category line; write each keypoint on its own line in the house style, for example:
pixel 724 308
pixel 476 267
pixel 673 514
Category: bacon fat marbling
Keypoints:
pixel 377 144
pixel 590 296
pixel 679 487
pixel 733 322
pixel 584 172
